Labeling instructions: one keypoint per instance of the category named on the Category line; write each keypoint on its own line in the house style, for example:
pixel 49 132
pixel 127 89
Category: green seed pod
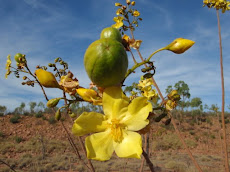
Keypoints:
pixel 53 102
pixel 58 115
pixel 147 75
pixel 160 117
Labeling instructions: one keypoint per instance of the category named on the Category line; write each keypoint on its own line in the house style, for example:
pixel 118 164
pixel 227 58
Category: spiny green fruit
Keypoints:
pixel 106 62
pixel 111 33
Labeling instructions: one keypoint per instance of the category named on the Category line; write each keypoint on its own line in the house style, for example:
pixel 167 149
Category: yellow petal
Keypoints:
pixel 130 147
pixel 138 112
pixel 114 102
pixel 99 146
pixel 89 122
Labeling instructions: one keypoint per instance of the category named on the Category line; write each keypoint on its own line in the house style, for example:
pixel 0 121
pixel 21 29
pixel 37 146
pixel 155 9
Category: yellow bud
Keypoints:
pixel 133 3
pixel 73 115
pixel 47 79
pixel 118 5
pixel 180 45
pixel 53 102
pixel 128 2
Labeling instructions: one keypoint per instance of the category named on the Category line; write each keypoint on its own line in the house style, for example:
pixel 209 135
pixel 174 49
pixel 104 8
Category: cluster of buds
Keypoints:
pixel 28 82
pixel 218 4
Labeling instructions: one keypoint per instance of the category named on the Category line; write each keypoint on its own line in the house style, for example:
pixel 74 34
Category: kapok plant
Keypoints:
pixel 125 119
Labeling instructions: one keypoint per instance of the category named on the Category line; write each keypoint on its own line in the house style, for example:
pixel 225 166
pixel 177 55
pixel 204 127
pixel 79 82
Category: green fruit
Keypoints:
pixel 112 33
pixel 20 58
pixel 106 62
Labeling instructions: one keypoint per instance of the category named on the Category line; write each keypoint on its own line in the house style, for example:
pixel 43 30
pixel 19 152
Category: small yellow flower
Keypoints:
pixel 180 45
pixel 116 130
pixel 118 5
pixel 145 83
pixel 133 3
pixel 119 22
pixel 136 44
pixel 174 96
pixel 170 105
pixel 90 95
pixel 8 66
pixel 136 13
pixel 119 11
pixel 128 2
pixel 150 93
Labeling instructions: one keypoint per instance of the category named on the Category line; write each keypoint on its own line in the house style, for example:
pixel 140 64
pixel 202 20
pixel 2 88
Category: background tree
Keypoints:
pixel 32 106
pixel 183 91
pixel 2 110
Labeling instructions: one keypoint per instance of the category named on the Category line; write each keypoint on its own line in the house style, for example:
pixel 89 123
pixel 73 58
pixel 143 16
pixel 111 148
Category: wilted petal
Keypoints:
pixel 130 147
pixel 99 146
pixel 89 122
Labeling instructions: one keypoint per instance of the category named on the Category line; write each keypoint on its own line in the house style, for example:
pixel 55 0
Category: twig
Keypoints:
pixel 148 161
pixel 37 81
pixel 223 95
pixel 7 165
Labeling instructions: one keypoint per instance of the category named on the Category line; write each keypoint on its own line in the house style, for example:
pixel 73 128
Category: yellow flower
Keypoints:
pixel 150 93
pixel 116 130
pixel 174 96
pixel 119 22
pixel 135 44
pixel 89 95
pixel 133 3
pixel 145 83
pixel 136 13
pixel 119 11
pixel 69 84
pixel 118 5
pixel 8 66
pixel 218 4
pixel 180 45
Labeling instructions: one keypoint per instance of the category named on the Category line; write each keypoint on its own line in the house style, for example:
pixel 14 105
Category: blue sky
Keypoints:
pixel 44 30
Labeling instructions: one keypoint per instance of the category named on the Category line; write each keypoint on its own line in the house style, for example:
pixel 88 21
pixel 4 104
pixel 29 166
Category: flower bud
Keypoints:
pixel 53 102
pixel 58 115
pixel 128 2
pixel 180 45
pixel 133 3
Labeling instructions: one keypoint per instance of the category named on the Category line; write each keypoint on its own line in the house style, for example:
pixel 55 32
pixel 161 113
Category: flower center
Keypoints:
pixel 116 130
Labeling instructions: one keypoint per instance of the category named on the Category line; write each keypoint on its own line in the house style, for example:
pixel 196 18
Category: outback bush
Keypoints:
pixel 15 119
pixel 52 120
pixel 38 114
pixel 18 139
